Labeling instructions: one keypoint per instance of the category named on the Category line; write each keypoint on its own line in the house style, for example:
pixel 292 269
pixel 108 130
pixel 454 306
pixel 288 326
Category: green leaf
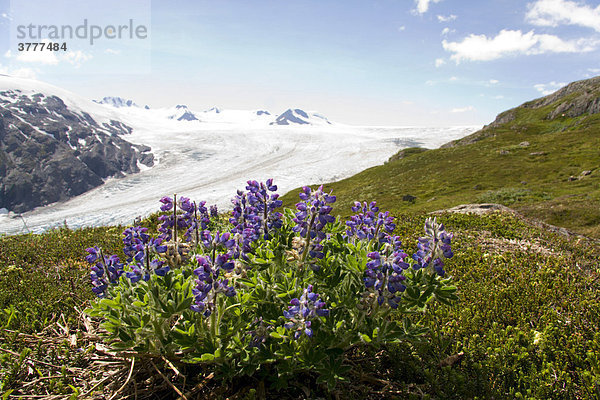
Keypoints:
pixel 185 304
pixel 275 335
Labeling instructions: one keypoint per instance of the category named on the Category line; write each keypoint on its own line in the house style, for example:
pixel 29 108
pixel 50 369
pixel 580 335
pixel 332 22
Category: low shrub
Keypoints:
pixel 268 294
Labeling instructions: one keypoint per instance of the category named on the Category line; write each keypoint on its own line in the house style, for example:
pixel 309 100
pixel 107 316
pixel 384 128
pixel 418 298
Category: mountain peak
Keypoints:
pixel 297 116
pixel 117 102
pixel 215 110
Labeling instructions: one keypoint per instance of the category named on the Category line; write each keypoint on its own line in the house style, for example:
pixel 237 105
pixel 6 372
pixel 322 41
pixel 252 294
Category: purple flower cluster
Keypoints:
pixel 433 247
pixel 139 249
pixel 210 283
pixel 384 274
pixel 105 270
pixel 302 311
pixel 194 218
pixel 312 216
pixel 265 205
pixel 368 224
pixel 254 214
pixel 212 242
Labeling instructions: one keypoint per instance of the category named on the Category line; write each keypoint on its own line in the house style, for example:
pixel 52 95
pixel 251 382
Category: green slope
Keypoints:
pixel 530 159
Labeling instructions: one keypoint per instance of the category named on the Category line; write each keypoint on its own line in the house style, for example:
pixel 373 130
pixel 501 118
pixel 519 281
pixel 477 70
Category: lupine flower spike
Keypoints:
pixel 312 216
pixel 302 311
pixel 433 247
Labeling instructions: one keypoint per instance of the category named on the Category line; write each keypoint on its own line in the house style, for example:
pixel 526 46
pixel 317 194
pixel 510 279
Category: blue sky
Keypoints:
pixel 375 62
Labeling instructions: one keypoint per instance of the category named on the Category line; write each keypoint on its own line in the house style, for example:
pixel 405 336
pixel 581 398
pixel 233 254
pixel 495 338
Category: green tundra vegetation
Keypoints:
pixel 526 325
pixel 543 163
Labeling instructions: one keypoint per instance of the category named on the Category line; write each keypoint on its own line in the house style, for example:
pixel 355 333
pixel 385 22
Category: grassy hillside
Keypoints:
pixel 525 160
pixel 525 325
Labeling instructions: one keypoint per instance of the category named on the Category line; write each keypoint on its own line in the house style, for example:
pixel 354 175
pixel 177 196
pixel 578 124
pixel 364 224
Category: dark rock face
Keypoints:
pixel 50 153
pixel 573 100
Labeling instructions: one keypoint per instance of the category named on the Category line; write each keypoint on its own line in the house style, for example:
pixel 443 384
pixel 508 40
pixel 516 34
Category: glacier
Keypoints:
pixel 211 164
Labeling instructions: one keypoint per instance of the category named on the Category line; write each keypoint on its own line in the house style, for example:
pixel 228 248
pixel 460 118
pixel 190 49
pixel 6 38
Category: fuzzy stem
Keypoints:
pixel 196 220
pixel 104 267
pixel 175 221
pixel 266 215
pixel 307 239
pixel 147 254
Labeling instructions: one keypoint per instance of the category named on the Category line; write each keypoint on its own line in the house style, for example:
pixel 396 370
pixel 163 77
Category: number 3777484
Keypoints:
pixel 41 46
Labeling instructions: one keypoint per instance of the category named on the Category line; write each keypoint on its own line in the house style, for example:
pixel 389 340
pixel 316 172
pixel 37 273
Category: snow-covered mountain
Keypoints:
pixel 55 145
pixel 118 102
pixel 215 110
pixel 226 117
pixel 297 116
pixel 182 113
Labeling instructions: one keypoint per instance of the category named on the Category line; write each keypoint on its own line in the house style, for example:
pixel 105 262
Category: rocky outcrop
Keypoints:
pixel 574 100
pixel 49 153
pixel 479 209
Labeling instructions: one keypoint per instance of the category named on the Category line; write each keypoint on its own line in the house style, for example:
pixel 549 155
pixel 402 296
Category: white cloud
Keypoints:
pixel 429 83
pixel 35 57
pixel 453 79
pixel 76 58
pixel 443 18
pixel 493 81
pixel 509 42
pixel 548 88
pixel 423 5
pixel 447 30
pixel 594 70
pixel 45 57
pixel 498 97
pixel 563 12
pixel 439 62
pixel 463 109
pixel 115 52
pixel 18 72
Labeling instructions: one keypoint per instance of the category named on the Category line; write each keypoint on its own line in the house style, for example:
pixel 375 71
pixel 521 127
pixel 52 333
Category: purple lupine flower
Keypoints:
pixel 105 270
pixel 302 311
pixel 433 247
pixel 209 284
pixel 135 242
pixel 190 217
pixel 212 242
pixel 196 218
pixel 367 224
pixel 254 214
pixel 384 273
pixel 265 205
pixel 139 249
pixel 244 219
pixel 167 203
pixel 312 217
